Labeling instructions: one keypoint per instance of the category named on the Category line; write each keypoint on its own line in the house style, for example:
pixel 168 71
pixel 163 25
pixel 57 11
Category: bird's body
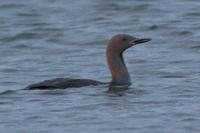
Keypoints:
pixel 120 76
pixel 62 83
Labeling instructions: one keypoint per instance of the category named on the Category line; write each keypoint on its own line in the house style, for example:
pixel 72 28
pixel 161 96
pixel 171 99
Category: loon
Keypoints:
pixel 114 52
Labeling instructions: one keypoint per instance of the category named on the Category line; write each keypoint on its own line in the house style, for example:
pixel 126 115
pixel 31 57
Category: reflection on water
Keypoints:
pixel 44 39
pixel 117 89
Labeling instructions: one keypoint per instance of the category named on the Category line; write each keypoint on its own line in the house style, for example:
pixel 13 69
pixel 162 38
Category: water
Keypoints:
pixel 44 39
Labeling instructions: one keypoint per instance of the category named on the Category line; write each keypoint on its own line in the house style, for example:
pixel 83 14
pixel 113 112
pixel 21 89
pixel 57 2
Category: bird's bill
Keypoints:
pixel 140 40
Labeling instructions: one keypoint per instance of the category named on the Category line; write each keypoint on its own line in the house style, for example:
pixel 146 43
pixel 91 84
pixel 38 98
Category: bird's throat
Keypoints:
pixel 117 66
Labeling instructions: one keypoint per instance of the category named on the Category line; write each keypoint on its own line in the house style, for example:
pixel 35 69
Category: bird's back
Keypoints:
pixel 62 83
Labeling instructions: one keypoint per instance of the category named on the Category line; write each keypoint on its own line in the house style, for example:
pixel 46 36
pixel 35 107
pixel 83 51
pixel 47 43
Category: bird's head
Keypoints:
pixel 121 42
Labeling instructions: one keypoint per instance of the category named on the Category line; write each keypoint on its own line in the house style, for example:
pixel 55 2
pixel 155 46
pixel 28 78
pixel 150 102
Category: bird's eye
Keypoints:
pixel 123 39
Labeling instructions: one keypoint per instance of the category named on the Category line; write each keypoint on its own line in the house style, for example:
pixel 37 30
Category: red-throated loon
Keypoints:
pixel 120 76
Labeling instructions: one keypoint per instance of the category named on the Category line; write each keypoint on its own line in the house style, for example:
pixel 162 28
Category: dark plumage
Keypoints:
pixel 120 76
pixel 62 83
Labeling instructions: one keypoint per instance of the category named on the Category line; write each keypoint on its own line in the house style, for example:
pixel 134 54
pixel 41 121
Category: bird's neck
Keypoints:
pixel 118 69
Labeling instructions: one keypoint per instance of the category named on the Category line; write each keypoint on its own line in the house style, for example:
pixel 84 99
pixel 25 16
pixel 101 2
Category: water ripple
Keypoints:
pixel 21 36
pixel 12 6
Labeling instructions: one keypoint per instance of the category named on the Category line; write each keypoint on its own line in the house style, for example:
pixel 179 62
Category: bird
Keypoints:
pixel 114 53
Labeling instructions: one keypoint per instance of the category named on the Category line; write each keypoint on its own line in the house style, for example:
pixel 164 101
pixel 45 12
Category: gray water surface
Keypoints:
pixel 44 39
